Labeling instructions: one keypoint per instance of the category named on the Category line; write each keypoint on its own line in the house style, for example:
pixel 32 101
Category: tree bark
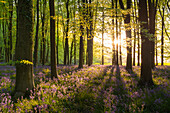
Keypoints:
pixel 113 37
pixel 128 35
pixel 103 35
pixel 162 38
pixel 90 40
pixel 134 46
pixel 74 35
pixel 43 32
pixel 52 40
pixel 81 35
pixel 146 72
pixel 117 37
pixel 24 48
pixel 71 52
pixel 66 49
pixel 57 33
pixel 36 37
pixel 152 14
pixel 129 41
pixel 120 46
pixel 10 28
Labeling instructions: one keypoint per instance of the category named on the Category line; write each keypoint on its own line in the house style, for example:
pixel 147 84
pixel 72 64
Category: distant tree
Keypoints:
pixel 24 48
pixel 120 46
pixel 103 35
pixel 36 37
pixel 74 35
pixel 57 32
pixel 10 28
pixel 162 34
pixel 128 34
pixel 66 49
pixel 117 37
pixel 135 22
pixel 81 34
pixel 113 37
pixel 146 72
pixel 52 40
pixel 90 38
pixel 152 18
pixel 43 40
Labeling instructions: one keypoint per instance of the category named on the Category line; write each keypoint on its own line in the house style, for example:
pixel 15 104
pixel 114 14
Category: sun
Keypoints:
pixel 116 41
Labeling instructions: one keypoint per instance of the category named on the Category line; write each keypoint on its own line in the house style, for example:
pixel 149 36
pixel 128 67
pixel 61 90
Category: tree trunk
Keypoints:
pixel 134 44
pixel 48 50
pixel 57 33
pixel 146 72
pixel 66 49
pixel 74 35
pixel 43 32
pixel 117 37
pixel 128 35
pixel 52 40
pixel 103 36
pixel 36 37
pixel 81 35
pixel 4 32
pixel 162 38
pixel 90 40
pixel 113 35
pixel 152 14
pixel 156 46
pixel 129 41
pixel 10 28
pixel 71 52
pixel 24 48
pixel 120 46
pixel 138 44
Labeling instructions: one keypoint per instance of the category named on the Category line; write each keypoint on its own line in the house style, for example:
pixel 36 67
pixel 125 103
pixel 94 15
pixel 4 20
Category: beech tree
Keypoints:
pixel 81 34
pixel 24 48
pixel 52 40
pixel 146 72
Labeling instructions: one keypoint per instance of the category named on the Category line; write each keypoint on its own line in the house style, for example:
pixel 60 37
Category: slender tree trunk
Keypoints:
pixel 41 50
pixel 103 36
pixel 24 48
pixel 74 35
pixel 66 49
pixel 43 32
pixel 36 37
pixel 81 35
pixel 138 44
pixel 156 46
pixel 48 50
pixel 146 72
pixel 52 40
pixel 113 35
pixel 90 41
pixel 129 41
pixel 87 31
pixel 120 46
pixel 128 35
pixel 57 33
pixel 162 38
pixel 4 38
pixel 10 28
pixel 134 45
pixel 117 37
pixel 152 14
pixel 71 52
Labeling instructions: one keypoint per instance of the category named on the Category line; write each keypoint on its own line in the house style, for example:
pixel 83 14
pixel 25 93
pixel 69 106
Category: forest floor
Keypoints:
pixel 94 89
